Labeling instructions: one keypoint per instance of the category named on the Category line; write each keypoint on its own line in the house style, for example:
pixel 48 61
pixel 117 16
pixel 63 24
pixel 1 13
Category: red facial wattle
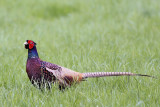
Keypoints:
pixel 31 44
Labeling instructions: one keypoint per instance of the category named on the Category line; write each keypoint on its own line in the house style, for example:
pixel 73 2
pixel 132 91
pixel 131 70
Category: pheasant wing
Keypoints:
pixel 57 72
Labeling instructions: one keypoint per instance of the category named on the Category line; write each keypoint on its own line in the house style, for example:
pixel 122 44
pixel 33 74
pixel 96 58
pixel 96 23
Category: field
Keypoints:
pixel 86 36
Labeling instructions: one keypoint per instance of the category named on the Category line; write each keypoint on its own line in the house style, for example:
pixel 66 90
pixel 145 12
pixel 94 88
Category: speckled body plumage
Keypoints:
pixel 39 75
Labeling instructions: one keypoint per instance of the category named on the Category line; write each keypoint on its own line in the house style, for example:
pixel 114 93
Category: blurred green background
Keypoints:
pixel 86 36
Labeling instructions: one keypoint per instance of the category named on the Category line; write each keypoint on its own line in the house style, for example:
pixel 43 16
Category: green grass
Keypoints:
pixel 86 36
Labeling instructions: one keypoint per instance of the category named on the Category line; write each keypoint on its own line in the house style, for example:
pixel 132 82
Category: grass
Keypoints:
pixel 86 36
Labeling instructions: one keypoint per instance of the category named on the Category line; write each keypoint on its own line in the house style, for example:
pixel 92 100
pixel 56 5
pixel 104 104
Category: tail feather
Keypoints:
pixel 105 74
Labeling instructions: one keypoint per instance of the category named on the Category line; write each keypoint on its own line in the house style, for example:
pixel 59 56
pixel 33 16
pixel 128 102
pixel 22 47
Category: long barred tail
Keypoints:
pixel 105 74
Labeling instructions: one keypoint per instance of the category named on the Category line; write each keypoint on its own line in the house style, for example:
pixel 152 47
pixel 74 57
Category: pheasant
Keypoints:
pixel 42 73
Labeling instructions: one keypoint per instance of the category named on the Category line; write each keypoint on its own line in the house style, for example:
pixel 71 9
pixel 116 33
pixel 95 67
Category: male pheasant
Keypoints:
pixel 43 73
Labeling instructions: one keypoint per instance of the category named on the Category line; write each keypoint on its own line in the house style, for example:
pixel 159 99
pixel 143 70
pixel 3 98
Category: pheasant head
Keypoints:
pixel 32 51
pixel 29 44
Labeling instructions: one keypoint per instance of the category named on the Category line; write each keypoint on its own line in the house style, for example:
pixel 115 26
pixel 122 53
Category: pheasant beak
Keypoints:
pixel 25 43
